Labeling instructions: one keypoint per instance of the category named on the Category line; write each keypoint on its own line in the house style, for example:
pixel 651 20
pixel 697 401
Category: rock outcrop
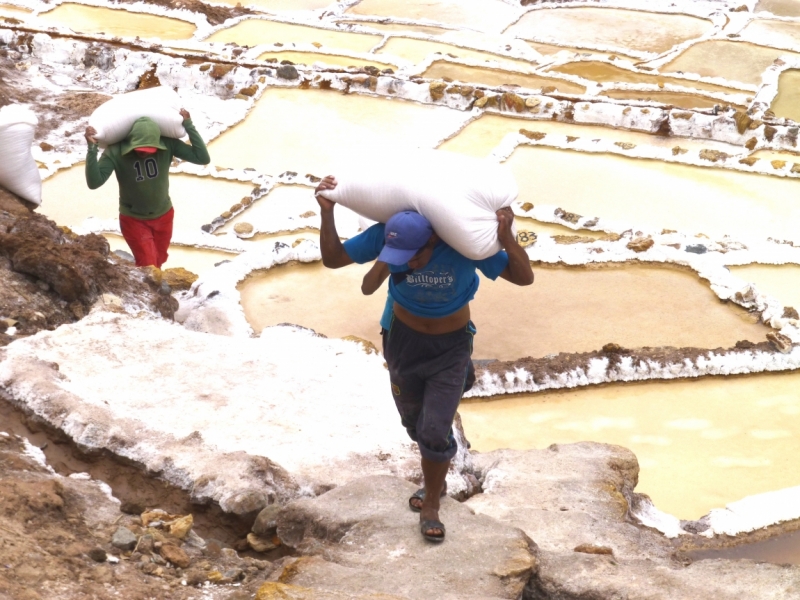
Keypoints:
pixel 361 538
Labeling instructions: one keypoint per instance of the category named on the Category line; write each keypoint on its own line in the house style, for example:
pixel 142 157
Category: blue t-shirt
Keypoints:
pixel 442 287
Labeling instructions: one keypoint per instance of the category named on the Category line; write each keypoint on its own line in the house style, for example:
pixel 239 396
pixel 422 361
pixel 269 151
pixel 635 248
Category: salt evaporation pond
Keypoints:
pixel 701 443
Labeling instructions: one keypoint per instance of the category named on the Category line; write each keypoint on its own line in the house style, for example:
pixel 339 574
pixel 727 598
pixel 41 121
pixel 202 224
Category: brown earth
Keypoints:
pixel 56 532
pixel 49 277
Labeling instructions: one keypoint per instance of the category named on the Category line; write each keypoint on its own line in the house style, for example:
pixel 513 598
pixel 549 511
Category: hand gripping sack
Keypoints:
pixel 459 195
pixel 114 119
pixel 18 171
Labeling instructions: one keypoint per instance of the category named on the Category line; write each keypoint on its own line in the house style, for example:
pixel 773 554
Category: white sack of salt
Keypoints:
pixel 18 171
pixel 113 120
pixel 458 194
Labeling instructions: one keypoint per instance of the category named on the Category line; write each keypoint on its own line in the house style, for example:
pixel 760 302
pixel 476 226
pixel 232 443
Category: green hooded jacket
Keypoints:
pixel 144 180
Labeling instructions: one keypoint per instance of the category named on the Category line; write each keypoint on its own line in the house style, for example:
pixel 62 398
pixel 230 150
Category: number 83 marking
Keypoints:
pixel 150 169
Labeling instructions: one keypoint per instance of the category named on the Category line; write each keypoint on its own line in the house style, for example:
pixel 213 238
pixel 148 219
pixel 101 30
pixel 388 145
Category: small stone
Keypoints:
pixel 749 161
pixel 288 72
pixel 696 249
pixel 769 132
pixel 682 115
pixel 526 207
pixel 260 544
pixel 146 544
pixel 437 89
pixel 179 278
pixel 124 255
pixel 175 555
pixel 790 312
pixel 45 147
pixel 751 144
pixel 98 554
pixel 592 549
pixel 678 150
pixel 195 577
pixel 243 229
pixel 795 168
pixel 218 71
pixel 513 102
pixel 713 155
pixel 778 164
pixel 249 91
pixel 743 121
pixel 180 527
pixel 532 135
pixel 548 89
pixel 571 138
pixel 625 145
pixel 226 215
pixel 124 539
pixel 640 244
pixel 780 342
pixel 745 344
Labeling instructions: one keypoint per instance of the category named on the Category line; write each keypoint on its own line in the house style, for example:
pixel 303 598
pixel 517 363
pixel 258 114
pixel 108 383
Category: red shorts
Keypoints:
pixel 148 239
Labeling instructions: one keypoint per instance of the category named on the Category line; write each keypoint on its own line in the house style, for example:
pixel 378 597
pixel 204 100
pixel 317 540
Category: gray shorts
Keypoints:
pixel 429 374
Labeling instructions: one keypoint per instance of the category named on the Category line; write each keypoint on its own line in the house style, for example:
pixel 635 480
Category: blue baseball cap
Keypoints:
pixel 405 233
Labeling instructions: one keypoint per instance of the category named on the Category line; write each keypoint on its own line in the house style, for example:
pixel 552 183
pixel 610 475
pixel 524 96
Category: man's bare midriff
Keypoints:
pixel 457 320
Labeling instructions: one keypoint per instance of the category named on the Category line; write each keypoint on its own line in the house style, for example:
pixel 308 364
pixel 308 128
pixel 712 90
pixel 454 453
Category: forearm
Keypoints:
pixel 374 278
pixel 333 253
pixel 197 153
pixel 97 171
pixel 519 265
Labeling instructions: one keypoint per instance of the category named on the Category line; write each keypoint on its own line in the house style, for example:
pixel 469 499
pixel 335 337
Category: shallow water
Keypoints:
pixel 566 310
pixel 690 101
pixel 484 134
pixel 733 61
pixel 496 77
pixel 700 443
pixel 787 102
pixel 609 27
pixel 93 20
pixel 482 15
pixel 605 72
pixel 781 34
pixel 416 51
pixel 309 58
pixel 781 549
pixel 254 32
pixel 654 195
pixel 781 8
pixel 311 131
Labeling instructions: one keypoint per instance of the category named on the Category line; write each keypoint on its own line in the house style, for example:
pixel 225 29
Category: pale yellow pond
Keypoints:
pixel 416 51
pixel 482 15
pixel 781 34
pixel 196 260
pixel 484 134
pixel 655 195
pixel 681 100
pixel 399 27
pixel 283 5
pixel 311 131
pixel 197 200
pixel 787 102
pixel 779 281
pixel 701 444
pixel 91 19
pixel 566 309
pixel 606 72
pixel 733 61
pixel 309 58
pixel 14 11
pixel 255 32
pixel 781 8
pixel 496 77
pixel 609 27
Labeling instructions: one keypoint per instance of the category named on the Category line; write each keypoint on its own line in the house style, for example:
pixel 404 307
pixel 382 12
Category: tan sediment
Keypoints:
pixel 93 20
pixel 418 50
pixel 787 102
pixel 678 99
pixel 309 58
pixel 254 32
pixel 482 15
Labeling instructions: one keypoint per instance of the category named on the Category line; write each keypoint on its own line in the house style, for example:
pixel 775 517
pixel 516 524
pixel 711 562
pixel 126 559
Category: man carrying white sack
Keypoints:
pixel 427 342
pixel 141 162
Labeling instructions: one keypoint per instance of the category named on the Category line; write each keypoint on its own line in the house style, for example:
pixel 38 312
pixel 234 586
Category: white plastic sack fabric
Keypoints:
pixel 114 119
pixel 458 194
pixel 18 171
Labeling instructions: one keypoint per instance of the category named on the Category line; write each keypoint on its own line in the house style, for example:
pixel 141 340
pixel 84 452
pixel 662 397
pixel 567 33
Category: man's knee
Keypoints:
pixel 437 448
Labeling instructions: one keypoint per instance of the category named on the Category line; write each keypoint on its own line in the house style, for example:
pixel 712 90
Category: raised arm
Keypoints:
pixel 97 171
pixel 374 278
pixel 519 270
pixel 334 255
pixel 197 152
